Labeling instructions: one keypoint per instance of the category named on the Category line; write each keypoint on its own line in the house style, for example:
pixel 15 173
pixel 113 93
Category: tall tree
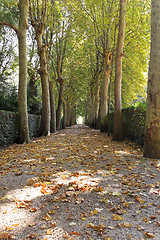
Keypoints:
pixel 39 15
pixel 23 129
pixel 152 131
pixel 60 51
pixel 117 129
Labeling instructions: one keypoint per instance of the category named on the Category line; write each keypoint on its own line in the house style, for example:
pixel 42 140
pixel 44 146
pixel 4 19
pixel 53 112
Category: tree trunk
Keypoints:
pixel 152 130
pixel 117 129
pixel 38 21
pixel 52 105
pixel 104 91
pixel 73 114
pixel 43 71
pixel 23 129
pixel 97 97
pixel 60 103
pixel 68 112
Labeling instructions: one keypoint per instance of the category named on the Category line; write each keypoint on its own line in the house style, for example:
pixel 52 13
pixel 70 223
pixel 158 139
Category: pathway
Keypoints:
pixel 78 184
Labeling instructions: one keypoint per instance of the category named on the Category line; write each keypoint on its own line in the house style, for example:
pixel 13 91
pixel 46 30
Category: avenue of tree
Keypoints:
pixel 82 58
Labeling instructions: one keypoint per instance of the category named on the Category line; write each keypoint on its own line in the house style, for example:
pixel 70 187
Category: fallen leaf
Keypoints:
pixel 126 205
pixel 98 189
pixel 111 227
pixel 52 224
pixel 47 217
pixel 129 236
pixel 51 211
pixel 107 238
pixel 117 217
pixel 15 225
pixel 95 212
pixel 116 194
pixel 90 225
pixel 12 237
pixel 33 210
pixel 148 235
pixel 139 199
pixel 49 231
pixel 4 235
pixel 18 173
pixel 139 228
pixel 75 233
pixel 43 226
pixel 71 224
pixel 32 236
pixel 158 223
pixel 125 225
pixel 32 224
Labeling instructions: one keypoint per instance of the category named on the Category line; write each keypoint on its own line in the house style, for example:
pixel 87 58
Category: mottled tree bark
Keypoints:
pixel 117 129
pixel 152 130
pixel 60 104
pixel 97 97
pixel 23 129
pixel 104 91
pixel 43 71
pixel 68 113
pixel 53 110
pixel 38 15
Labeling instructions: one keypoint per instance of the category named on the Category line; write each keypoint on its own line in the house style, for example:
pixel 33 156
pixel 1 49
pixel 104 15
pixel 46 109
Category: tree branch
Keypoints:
pixel 10 25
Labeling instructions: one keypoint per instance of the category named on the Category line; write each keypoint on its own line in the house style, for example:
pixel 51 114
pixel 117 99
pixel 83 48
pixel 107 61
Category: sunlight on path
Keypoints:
pixel 78 184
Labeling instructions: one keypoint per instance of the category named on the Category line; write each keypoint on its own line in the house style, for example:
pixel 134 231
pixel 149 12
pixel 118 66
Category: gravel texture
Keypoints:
pixel 78 184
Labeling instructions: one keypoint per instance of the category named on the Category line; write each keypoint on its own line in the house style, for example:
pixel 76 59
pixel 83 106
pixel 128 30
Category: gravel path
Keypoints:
pixel 78 184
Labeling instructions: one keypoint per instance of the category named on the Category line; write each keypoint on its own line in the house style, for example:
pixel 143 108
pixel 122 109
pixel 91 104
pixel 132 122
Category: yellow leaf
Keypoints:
pixel 9 228
pixel 117 217
pixel 125 225
pixel 15 225
pixel 104 218
pixel 95 211
pixel 90 225
pixel 126 205
pixel 51 211
pixel 49 231
pixel 47 217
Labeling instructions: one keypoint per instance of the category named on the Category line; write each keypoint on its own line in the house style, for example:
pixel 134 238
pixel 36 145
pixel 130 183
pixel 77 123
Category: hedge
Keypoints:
pixel 133 124
pixel 9 127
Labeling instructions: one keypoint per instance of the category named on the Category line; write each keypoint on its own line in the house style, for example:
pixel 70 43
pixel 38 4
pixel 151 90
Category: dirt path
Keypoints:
pixel 78 184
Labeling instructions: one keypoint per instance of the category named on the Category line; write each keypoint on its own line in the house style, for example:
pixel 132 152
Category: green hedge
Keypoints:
pixel 9 127
pixel 133 123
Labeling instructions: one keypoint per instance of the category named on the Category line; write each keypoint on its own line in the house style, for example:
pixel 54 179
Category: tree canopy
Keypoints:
pixel 76 35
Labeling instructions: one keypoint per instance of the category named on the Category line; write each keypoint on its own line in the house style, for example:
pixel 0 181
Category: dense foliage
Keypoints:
pixel 76 34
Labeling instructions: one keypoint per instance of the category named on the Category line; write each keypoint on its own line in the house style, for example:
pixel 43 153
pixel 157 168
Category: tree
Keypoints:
pixel 62 33
pixel 117 129
pixel 39 15
pixel 152 131
pixel 23 129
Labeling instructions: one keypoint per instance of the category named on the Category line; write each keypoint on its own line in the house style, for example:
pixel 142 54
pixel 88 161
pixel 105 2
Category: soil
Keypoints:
pixel 77 184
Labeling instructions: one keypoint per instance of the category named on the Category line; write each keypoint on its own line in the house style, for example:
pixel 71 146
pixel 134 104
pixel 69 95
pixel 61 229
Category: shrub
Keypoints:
pixel 133 123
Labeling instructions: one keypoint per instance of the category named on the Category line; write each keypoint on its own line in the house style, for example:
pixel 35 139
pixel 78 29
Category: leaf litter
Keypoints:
pixel 78 184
